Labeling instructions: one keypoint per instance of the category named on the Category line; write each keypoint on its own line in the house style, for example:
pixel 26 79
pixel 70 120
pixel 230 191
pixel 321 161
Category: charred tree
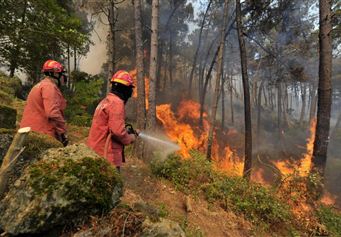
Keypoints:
pixel 247 107
pixel 222 101
pixel 324 88
pixel 151 116
pixel 217 83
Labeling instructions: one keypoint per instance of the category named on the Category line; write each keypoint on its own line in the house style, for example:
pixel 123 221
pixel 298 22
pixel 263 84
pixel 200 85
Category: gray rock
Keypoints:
pixel 64 186
pixel 164 228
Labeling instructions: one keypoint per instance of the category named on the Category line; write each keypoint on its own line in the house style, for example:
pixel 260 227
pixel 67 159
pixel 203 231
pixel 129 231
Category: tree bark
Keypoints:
pixel 324 88
pixel 217 83
pixel 151 122
pixel 112 56
pixel 247 108
pixel 141 93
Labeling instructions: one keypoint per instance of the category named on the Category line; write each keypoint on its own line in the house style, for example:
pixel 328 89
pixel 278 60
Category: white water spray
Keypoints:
pixel 161 142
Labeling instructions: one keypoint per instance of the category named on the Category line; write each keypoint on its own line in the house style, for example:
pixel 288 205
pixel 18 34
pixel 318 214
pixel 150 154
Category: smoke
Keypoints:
pixel 97 55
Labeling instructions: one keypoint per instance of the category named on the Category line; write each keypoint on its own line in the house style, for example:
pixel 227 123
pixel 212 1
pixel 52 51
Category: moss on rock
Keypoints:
pixel 8 116
pixel 64 186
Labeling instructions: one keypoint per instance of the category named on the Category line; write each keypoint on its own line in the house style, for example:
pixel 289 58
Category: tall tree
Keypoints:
pixel 217 82
pixel 141 93
pixel 141 102
pixel 324 88
pixel 151 116
pixel 112 18
pixel 247 107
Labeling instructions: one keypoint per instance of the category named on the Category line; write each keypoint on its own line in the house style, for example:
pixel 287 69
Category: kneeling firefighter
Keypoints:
pixel 45 104
pixel 108 134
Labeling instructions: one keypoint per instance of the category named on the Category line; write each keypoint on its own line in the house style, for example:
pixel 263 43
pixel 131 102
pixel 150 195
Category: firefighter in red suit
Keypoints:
pixel 108 135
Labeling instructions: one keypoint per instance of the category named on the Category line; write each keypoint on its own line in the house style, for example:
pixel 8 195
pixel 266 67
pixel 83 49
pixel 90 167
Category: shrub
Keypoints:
pixel 256 203
pixel 187 174
pixel 331 219
pixel 82 103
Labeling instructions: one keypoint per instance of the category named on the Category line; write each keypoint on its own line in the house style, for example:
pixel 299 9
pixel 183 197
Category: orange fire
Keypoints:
pixel 133 74
pixel 183 128
pixel 304 165
pixel 328 198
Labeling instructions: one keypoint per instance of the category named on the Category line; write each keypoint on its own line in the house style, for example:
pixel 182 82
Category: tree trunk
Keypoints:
pixel 222 102
pixel 112 56
pixel 259 110
pixel 303 94
pixel 151 123
pixel 247 109
pixel 170 63
pixel 231 100
pixel 217 83
pixel 68 66
pixel 197 50
pixel 324 89
pixel 279 111
pixel 141 93
pixel 313 105
pixel 208 76
pixel 11 157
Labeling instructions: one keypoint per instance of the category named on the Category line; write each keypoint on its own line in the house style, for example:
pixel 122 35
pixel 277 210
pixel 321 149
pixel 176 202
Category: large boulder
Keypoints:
pixel 64 186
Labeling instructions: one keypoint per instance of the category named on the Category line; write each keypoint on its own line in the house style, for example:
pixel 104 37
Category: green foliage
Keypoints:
pixel 331 219
pixel 255 202
pixel 10 86
pixel 186 175
pixel 82 103
pixel 47 176
pixel 34 31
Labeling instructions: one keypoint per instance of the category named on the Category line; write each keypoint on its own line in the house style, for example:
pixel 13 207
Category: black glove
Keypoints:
pixel 63 139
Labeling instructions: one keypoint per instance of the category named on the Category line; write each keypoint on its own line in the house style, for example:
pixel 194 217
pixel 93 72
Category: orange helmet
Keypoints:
pixel 52 66
pixel 122 77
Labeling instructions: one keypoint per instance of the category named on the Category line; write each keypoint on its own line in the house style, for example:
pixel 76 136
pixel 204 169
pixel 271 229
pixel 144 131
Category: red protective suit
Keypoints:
pixel 44 110
pixel 109 118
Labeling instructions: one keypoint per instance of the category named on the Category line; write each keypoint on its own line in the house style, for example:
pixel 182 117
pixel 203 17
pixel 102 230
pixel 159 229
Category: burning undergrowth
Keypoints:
pixel 291 178
pixel 183 127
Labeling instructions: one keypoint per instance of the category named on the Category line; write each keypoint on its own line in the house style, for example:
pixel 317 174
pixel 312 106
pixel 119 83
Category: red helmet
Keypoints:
pixel 52 66
pixel 122 77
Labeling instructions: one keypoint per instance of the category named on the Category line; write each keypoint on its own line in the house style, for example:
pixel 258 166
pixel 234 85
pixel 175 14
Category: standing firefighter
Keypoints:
pixel 44 110
pixel 108 135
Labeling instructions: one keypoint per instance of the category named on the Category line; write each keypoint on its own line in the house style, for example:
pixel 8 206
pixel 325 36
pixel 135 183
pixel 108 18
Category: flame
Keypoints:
pixel 133 74
pixel 304 165
pixel 183 128
pixel 328 198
